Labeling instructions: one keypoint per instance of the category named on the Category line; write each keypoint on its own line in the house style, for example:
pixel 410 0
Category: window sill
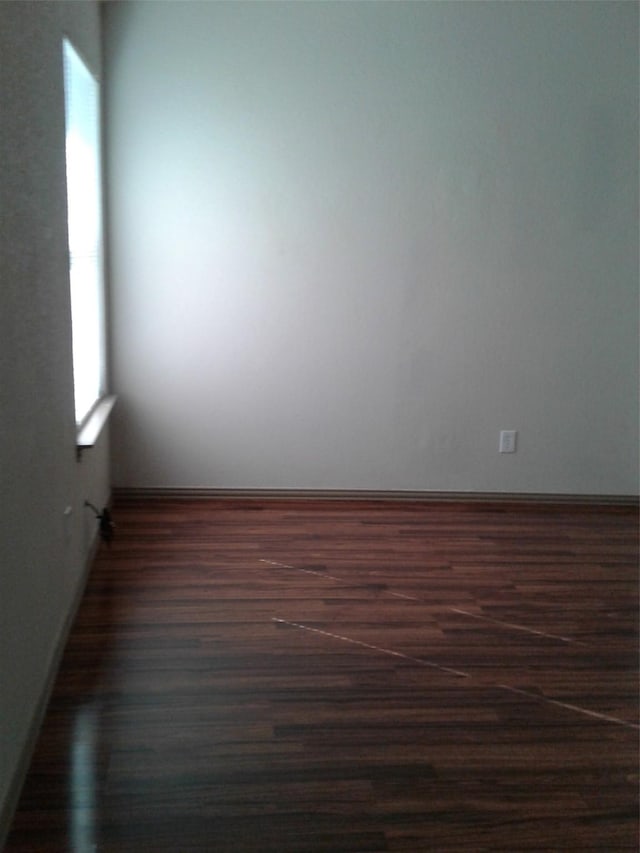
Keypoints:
pixel 89 433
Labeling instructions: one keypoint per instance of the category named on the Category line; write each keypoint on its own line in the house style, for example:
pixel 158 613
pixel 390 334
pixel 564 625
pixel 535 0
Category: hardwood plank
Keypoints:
pixel 273 675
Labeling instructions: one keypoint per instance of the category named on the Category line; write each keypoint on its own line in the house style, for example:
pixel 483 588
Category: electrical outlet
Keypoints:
pixel 508 440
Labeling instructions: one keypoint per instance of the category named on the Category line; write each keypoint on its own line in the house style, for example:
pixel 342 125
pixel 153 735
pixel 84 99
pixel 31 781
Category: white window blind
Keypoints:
pixel 84 209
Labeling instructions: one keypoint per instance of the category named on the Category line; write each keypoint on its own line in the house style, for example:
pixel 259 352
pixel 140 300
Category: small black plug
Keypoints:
pixel 106 525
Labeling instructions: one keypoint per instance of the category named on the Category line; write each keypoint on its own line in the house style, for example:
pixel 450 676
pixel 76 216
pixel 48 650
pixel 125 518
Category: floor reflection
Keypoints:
pixel 84 779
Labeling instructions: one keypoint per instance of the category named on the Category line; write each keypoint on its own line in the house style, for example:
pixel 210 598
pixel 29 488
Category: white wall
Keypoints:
pixel 353 241
pixel 42 560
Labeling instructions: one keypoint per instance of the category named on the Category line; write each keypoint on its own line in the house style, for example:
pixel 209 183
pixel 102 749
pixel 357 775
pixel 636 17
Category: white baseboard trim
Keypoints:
pixel 128 493
pixel 8 807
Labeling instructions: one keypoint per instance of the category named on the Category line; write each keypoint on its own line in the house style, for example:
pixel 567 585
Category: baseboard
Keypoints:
pixel 127 494
pixel 8 808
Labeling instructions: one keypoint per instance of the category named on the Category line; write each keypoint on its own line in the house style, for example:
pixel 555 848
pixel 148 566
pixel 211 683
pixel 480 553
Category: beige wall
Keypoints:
pixel 351 242
pixel 42 557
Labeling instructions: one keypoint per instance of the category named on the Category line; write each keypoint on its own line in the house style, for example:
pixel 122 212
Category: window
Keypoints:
pixel 84 212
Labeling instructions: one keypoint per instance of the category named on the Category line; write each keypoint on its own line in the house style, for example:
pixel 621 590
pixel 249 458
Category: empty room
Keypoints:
pixel 319 468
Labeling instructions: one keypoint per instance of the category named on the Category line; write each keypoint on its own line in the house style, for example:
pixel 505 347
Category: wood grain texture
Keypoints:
pixel 279 675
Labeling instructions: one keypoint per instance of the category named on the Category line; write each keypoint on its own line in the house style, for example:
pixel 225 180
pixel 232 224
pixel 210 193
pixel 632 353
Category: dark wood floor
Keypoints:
pixel 249 676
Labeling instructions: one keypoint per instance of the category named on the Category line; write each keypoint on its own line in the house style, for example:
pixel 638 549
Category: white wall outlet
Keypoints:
pixel 508 440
